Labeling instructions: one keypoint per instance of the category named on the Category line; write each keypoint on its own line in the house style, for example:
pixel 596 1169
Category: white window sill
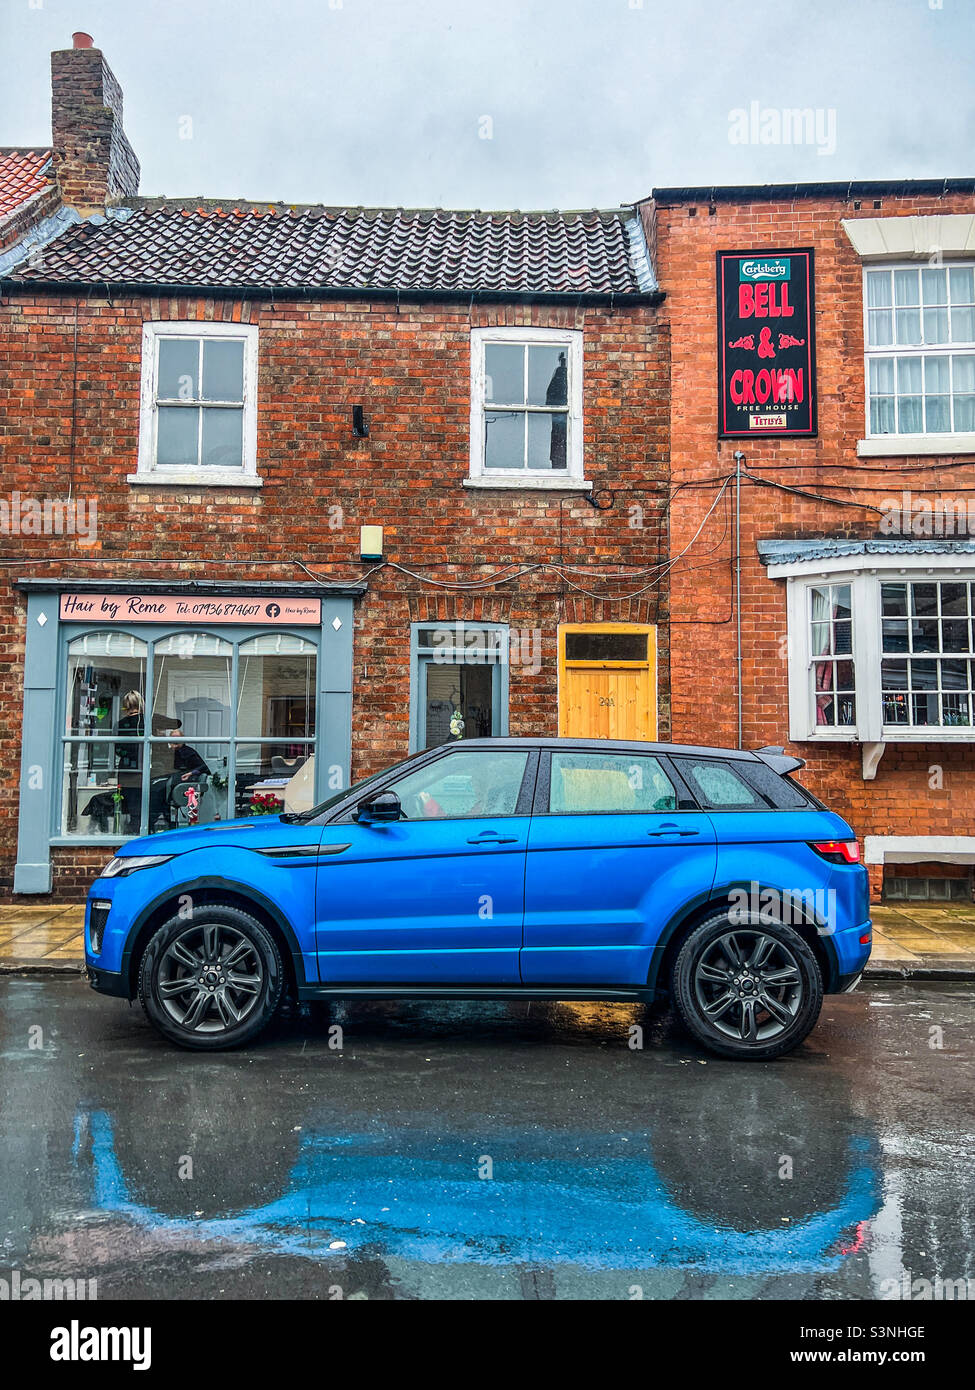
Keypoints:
pixel 195 477
pixel 931 734
pixel 546 482
pixel 903 445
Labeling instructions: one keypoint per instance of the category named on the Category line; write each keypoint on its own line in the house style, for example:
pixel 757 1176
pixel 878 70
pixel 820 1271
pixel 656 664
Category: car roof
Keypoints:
pixel 608 744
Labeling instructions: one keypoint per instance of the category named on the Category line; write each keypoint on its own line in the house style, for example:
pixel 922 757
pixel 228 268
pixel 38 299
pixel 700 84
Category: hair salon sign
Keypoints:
pixel 190 608
pixel 766 344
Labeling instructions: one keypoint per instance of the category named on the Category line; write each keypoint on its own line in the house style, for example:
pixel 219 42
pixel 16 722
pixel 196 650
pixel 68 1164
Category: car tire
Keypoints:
pixel 212 980
pixel 750 990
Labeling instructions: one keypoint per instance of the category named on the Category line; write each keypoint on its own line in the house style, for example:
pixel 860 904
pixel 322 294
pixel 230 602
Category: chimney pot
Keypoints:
pixel 82 40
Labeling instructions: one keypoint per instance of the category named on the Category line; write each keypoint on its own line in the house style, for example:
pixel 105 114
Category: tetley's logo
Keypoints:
pixel 773 268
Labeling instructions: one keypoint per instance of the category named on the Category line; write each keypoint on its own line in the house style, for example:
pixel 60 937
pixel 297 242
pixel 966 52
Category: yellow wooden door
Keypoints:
pixel 607 681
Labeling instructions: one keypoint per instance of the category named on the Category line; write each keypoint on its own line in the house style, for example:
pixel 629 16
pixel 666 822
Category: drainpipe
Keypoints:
pixel 739 458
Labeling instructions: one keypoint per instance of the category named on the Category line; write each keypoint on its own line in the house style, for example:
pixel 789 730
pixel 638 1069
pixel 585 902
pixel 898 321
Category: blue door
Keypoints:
pixel 439 896
pixel 610 859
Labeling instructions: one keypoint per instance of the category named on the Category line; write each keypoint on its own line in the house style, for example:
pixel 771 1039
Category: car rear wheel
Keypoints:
pixel 212 980
pixel 751 991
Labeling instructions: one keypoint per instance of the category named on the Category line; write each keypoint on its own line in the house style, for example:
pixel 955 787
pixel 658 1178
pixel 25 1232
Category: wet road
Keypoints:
pixel 487 1151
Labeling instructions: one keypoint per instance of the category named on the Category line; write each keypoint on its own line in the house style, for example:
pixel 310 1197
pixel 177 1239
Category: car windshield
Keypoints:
pixel 302 817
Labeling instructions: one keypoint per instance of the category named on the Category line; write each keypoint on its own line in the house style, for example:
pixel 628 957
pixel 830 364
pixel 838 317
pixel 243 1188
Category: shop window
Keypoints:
pixel 102 764
pixel 460 683
pixel 228 726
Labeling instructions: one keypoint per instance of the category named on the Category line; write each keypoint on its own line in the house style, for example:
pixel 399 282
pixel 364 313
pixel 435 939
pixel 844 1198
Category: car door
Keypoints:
pixel 437 897
pixel 614 851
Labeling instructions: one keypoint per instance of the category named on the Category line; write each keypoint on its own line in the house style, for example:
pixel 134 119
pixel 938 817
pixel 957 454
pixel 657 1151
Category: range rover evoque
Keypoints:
pixel 503 868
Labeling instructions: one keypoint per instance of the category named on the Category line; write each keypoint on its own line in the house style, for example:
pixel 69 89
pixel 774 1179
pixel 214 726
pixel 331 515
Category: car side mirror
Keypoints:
pixel 384 806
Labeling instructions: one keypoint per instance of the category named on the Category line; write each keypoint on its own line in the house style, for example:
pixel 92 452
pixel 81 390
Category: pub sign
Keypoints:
pixel 766 344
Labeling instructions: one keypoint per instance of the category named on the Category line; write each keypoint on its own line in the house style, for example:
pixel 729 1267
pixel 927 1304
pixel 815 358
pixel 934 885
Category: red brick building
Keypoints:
pixel 203 405
pixel 857 555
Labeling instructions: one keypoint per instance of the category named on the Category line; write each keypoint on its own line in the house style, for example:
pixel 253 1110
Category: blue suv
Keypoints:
pixel 504 869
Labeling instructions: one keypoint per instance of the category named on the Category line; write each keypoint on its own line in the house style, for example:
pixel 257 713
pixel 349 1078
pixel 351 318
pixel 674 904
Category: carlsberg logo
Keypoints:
pixel 764 270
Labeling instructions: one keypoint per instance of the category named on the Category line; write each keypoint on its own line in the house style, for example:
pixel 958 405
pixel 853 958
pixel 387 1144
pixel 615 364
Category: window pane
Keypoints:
pixel 190 788
pixel 179 366
pixel 894 635
pixel 191 707
pixel 908 324
pixel 954 635
pixel 593 782
pixel 605 646
pixel 963 325
pixel 908 376
pixel 223 438
pixel 954 600
pixel 546 441
pixel 881 376
pixel 882 415
pixel 905 287
pixel 961 282
pixel 924 599
pixel 934 286
pixel 880 327
pixel 963 374
pixel 548 378
pixel 718 786
pixel 106 689
pixel 937 414
pixel 97 798
pixel 909 415
pixel 223 370
pixel 276 692
pixel 177 436
pixel 504 367
pixel 893 675
pixel 504 439
pixel 893 599
pixel 965 414
pixel 458 701
pixel 936 325
pixel 264 771
pixel 878 289
pixel 476 783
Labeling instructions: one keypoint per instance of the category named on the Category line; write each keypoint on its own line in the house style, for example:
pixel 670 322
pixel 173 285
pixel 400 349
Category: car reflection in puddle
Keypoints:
pixel 535 1196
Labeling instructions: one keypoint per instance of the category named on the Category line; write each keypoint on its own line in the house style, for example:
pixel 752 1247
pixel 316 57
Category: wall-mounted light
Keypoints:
pixel 370 542
pixel 359 427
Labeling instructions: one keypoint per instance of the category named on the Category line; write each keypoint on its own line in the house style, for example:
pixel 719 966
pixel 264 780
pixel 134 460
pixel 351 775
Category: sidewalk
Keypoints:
pixel 922 941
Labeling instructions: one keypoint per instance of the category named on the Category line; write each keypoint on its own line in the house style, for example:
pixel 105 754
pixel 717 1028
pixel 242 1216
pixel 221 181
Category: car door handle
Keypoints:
pixel 672 830
pixel 491 837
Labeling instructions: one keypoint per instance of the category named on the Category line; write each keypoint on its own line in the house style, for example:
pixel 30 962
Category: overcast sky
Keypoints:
pixel 510 103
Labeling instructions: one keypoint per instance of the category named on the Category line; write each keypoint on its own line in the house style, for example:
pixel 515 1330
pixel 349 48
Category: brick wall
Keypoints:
pixel 703 681
pixel 69 421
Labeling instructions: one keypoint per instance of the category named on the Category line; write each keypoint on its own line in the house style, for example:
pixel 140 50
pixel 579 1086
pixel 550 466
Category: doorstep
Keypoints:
pixel 909 942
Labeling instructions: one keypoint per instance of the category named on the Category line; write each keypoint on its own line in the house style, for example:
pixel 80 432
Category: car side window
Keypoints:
pixel 592 782
pixel 480 782
pixel 718 786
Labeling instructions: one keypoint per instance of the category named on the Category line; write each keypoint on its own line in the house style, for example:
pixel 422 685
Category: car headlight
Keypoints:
pixel 128 863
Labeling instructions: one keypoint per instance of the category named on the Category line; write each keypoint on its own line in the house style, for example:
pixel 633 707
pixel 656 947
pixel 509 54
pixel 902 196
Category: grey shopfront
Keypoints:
pixel 153 705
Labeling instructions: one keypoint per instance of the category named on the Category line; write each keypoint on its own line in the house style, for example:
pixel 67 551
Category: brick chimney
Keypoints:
pixel 93 161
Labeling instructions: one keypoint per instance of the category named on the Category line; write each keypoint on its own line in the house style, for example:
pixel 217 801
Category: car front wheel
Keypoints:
pixel 751 991
pixel 212 980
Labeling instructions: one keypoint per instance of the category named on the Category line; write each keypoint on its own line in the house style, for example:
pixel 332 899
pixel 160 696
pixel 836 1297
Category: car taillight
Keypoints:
pixel 837 851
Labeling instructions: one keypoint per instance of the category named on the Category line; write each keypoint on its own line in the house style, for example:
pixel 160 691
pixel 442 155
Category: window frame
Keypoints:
pixel 865 597
pixel 924 441
pixel 422 655
pixel 571 478
pixel 197 475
